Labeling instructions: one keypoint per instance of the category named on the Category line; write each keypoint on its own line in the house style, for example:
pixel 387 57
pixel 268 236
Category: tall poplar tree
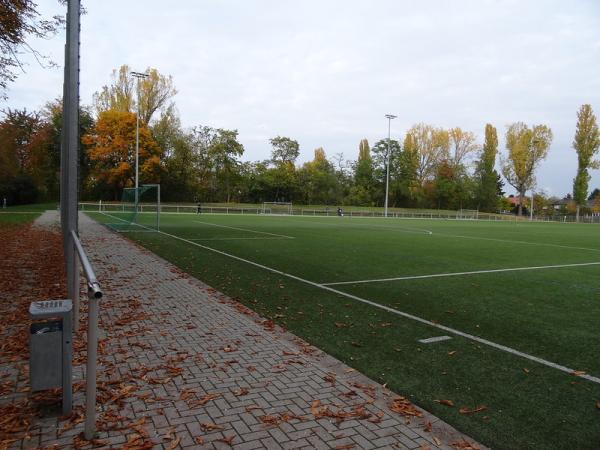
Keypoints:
pixel 527 148
pixel 586 144
pixel 487 177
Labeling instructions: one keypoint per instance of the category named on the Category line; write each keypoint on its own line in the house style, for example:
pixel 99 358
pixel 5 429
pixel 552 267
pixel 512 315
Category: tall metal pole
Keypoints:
pixel 138 76
pixel 387 164
pixel 70 155
pixel 531 207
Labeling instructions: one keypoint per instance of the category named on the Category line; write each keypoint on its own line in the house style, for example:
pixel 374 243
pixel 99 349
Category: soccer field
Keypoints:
pixel 519 303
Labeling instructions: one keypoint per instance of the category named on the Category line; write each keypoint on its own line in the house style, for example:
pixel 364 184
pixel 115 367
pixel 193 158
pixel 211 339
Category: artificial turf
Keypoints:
pixel 549 313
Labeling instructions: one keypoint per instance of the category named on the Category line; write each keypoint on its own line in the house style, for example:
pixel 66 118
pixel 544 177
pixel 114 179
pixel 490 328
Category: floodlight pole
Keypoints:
pixel 138 76
pixel 387 164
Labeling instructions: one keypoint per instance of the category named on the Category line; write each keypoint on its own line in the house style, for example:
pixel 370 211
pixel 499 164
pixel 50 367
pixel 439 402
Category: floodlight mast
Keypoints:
pixel 389 117
pixel 138 76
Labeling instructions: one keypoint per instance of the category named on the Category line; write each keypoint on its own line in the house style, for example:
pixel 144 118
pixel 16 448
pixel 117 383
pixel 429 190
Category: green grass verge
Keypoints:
pixel 550 313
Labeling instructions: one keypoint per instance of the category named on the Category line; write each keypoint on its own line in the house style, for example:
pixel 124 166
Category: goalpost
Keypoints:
pixel 467 214
pixel 139 209
pixel 277 208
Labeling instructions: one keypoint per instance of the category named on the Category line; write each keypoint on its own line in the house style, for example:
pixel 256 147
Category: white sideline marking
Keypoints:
pixel 391 310
pixel 238 238
pixel 431 340
pixel 245 229
pixel 456 274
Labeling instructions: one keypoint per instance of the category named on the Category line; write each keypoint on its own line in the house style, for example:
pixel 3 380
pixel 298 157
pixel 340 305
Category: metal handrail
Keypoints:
pixel 94 290
pixel 94 295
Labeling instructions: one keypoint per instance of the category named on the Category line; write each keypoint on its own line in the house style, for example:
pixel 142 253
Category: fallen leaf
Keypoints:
pixel 240 392
pixel 437 441
pixel 525 369
pixel 227 440
pixel 453 352
pixel 210 426
pixel 445 402
pixel 471 411
pixel 403 406
pixel 174 444
pixel 578 373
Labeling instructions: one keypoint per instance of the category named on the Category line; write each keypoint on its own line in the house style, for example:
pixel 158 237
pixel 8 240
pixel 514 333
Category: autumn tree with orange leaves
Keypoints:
pixel 112 152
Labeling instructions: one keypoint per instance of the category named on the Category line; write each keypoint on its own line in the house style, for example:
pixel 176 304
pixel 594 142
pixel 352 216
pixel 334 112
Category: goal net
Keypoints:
pixel 466 214
pixel 139 209
pixel 277 208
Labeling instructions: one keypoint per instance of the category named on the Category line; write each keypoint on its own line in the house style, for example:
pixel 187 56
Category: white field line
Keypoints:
pixel 544 244
pixel 372 226
pixel 492 344
pixel 241 238
pixel 456 274
pixel 246 229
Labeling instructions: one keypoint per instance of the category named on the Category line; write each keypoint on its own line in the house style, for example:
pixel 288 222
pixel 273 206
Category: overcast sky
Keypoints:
pixel 326 72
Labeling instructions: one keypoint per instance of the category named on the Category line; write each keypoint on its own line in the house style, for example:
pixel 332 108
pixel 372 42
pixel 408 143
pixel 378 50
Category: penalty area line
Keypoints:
pixel 394 311
pixel 245 229
pixel 456 274
pixel 261 238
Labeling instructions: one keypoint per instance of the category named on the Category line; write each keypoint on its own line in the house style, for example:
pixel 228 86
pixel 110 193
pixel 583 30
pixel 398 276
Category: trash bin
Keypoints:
pixel 50 348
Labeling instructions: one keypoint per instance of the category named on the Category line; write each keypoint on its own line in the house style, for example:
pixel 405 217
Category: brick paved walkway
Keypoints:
pixel 183 366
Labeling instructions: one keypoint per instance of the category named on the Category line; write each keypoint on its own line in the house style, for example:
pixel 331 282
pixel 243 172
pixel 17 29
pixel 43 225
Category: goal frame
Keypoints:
pixel 467 214
pixel 265 207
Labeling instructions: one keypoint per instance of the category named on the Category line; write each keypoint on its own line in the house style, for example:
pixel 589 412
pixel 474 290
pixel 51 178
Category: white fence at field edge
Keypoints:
pixel 446 215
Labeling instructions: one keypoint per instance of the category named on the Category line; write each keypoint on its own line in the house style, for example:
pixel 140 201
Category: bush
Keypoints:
pixel 19 190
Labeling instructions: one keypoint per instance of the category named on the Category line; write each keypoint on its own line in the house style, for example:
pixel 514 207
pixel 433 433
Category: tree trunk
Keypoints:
pixel 577 214
pixel 520 209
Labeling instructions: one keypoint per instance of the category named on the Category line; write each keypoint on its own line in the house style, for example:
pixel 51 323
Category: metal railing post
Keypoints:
pixel 94 296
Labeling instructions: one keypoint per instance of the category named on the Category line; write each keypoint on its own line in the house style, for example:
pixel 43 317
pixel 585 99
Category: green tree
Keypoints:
pixel 283 176
pixel 410 190
pixel 285 150
pixel 527 148
pixel 586 144
pixel 317 180
pixel 364 180
pixel 52 114
pixel 485 174
pixel 380 157
pixel 223 153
